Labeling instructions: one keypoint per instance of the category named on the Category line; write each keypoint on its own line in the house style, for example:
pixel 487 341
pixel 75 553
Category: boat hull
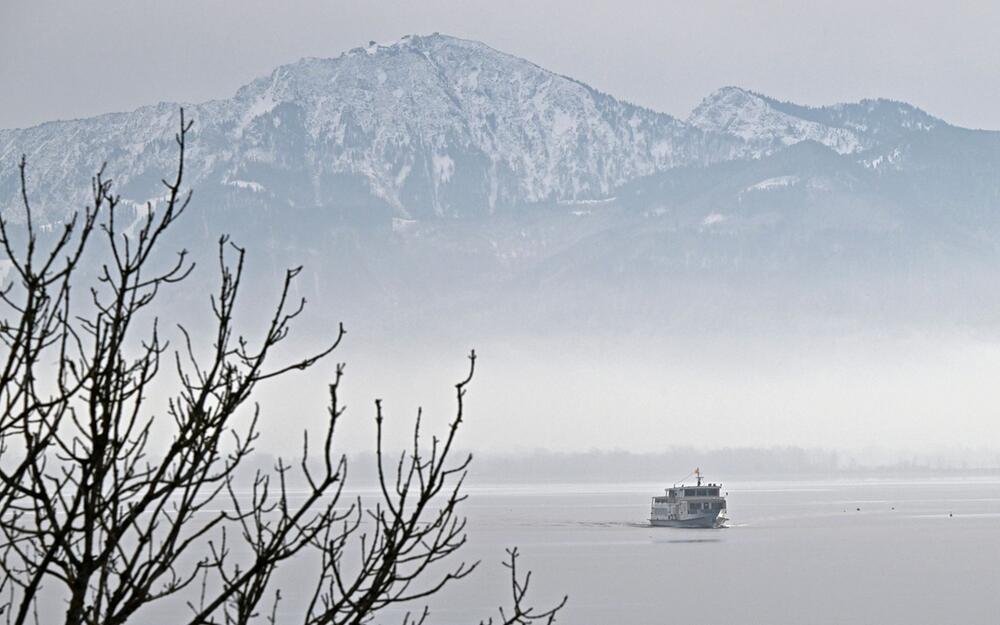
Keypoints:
pixel 704 521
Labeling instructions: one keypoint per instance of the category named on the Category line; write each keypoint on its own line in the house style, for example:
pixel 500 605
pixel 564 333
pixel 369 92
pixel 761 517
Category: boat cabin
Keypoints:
pixel 687 492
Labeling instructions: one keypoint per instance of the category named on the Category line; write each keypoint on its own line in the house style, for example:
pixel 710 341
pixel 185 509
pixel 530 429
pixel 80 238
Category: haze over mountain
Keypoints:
pixel 435 178
pixel 751 268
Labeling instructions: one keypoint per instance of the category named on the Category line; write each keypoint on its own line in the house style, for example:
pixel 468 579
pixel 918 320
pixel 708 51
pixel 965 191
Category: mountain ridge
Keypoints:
pixel 427 126
pixel 437 182
pixel 393 119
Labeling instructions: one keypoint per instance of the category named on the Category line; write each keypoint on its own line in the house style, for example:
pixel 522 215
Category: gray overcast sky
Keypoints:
pixel 61 59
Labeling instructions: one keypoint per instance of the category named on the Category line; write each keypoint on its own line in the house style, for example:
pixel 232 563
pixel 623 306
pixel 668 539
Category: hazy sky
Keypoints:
pixel 63 59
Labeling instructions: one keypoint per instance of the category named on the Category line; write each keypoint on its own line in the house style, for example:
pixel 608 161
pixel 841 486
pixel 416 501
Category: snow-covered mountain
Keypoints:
pixel 765 125
pixel 436 177
pixel 426 126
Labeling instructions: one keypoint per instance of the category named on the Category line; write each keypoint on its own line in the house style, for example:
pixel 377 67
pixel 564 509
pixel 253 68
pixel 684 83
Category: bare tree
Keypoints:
pixel 95 513
pixel 520 612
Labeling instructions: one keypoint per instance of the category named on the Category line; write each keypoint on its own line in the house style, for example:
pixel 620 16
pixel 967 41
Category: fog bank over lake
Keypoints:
pixel 875 400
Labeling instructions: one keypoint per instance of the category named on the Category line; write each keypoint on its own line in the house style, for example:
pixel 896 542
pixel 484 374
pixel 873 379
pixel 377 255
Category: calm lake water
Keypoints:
pixel 918 551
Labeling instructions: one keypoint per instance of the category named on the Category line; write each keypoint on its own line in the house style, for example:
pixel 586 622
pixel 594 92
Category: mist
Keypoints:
pixel 903 395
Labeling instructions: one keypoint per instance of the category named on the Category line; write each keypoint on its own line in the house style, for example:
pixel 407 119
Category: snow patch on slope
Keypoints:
pixel 774 183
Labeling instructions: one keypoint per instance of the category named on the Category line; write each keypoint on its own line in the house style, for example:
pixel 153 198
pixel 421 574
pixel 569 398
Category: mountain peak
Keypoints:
pixel 731 93
pixel 726 108
pixel 430 126
pixel 433 40
pixel 764 124
pixel 425 126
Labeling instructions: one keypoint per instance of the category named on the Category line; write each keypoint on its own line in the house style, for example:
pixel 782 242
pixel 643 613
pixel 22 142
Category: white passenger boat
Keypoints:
pixel 701 505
